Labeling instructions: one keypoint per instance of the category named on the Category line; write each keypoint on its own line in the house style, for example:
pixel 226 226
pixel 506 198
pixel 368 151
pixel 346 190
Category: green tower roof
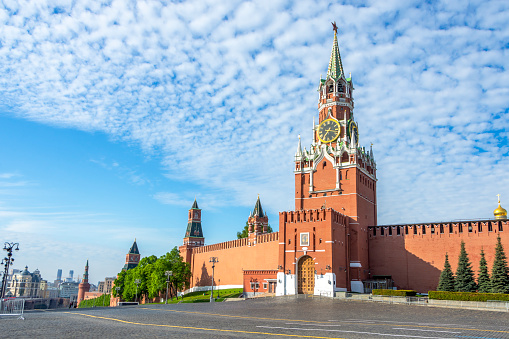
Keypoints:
pixel 335 70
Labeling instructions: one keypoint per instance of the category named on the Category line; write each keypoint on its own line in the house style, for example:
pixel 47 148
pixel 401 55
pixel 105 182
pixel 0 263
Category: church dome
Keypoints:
pixel 500 212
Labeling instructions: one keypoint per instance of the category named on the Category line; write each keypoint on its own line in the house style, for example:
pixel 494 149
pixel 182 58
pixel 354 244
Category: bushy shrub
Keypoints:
pixel 395 293
pixel 467 296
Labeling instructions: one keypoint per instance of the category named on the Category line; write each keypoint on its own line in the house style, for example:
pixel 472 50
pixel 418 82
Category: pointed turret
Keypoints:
pixel 258 222
pixel 84 286
pixel 134 248
pixel 335 70
pixel 194 222
pixel 194 234
pixel 195 205
pixel 299 148
pixel 85 275
pixel 132 257
pixel 258 211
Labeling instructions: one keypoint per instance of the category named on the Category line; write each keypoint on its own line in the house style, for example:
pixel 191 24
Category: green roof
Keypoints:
pixel 335 70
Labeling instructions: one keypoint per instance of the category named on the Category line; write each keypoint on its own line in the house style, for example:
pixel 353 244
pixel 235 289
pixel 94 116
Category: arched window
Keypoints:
pixel 344 157
pixel 341 88
pixel 330 88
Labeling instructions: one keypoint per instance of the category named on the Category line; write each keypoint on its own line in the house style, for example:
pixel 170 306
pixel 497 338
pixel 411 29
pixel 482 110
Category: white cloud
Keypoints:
pixel 222 91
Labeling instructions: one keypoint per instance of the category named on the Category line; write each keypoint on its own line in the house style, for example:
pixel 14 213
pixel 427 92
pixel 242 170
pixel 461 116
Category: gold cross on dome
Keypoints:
pixel 334 27
pixel 498 195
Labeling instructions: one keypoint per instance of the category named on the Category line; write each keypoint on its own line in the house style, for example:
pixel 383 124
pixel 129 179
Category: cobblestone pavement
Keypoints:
pixel 264 318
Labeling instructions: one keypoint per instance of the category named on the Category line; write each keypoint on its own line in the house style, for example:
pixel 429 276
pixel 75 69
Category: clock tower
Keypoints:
pixel 335 197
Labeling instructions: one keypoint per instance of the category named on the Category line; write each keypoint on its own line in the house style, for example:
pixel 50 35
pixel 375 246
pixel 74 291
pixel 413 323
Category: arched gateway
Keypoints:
pixel 306 275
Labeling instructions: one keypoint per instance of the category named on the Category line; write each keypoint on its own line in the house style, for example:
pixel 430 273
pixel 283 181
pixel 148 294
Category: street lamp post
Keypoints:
pixel 213 260
pixel 118 292
pixel 137 282
pixel 168 275
pixel 7 261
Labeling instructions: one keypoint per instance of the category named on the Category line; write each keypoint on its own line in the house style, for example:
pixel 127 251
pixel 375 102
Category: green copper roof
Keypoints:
pixel 134 248
pixel 195 205
pixel 194 230
pixel 258 211
pixel 335 70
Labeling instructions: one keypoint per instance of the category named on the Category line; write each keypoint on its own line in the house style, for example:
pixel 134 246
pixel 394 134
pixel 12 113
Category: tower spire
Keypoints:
pixel 299 148
pixel 335 70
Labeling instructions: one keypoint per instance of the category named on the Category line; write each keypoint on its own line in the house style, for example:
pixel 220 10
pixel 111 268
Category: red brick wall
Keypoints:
pixel 234 257
pixel 415 261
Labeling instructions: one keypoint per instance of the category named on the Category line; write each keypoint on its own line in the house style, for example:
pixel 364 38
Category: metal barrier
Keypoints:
pixel 12 307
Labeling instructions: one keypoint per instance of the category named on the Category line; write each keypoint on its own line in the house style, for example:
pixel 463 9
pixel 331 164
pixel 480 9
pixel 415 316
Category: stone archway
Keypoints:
pixel 306 275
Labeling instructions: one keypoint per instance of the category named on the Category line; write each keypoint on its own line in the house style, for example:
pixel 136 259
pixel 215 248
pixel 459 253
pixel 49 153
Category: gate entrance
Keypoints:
pixel 306 275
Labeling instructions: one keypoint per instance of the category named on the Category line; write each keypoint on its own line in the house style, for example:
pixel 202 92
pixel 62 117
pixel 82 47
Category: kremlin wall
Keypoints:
pixel 331 241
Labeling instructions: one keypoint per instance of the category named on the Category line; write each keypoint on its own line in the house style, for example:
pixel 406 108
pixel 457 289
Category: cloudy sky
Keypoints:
pixel 115 115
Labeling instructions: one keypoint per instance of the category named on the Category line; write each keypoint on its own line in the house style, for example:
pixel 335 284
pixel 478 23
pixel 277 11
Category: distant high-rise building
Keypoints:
pixel 59 274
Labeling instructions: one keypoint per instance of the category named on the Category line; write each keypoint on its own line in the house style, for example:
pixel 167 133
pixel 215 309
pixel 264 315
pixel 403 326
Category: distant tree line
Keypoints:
pixel 150 274
pixel 463 280
pixel 103 300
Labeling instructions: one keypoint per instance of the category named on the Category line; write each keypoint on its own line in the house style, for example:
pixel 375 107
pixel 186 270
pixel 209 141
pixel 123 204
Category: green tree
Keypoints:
pixel 245 231
pixel 483 280
pixel 119 282
pixel 464 281
pixel 499 272
pixel 446 282
pixel 181 274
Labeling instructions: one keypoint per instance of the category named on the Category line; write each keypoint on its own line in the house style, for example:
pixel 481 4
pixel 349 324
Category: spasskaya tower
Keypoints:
pixel 335 196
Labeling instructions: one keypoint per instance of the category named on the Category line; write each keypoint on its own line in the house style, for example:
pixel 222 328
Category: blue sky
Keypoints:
pixel 115 115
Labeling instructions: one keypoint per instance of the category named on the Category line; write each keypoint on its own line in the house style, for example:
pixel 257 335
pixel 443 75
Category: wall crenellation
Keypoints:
pixel 267 237
pixel 447 228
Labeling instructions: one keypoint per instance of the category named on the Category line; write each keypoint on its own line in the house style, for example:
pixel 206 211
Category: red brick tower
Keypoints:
pixel 84 285
pixel 335 194
pixel 194 234
pixel 132 258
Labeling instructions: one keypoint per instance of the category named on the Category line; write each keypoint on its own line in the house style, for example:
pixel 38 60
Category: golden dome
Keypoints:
pixel 500 212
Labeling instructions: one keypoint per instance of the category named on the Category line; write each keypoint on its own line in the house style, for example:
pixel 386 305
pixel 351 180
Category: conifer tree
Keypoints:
pixel 499 272
pixel 483 281
pixel 464 281
pixel 446 282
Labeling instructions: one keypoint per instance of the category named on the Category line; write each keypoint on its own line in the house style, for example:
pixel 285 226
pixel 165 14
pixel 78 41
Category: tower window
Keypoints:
pixel 330 88
pixel 341 88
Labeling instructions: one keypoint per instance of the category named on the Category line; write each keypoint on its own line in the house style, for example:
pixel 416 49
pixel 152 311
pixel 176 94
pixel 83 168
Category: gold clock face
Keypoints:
pixel 328 131
pixel 353 131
